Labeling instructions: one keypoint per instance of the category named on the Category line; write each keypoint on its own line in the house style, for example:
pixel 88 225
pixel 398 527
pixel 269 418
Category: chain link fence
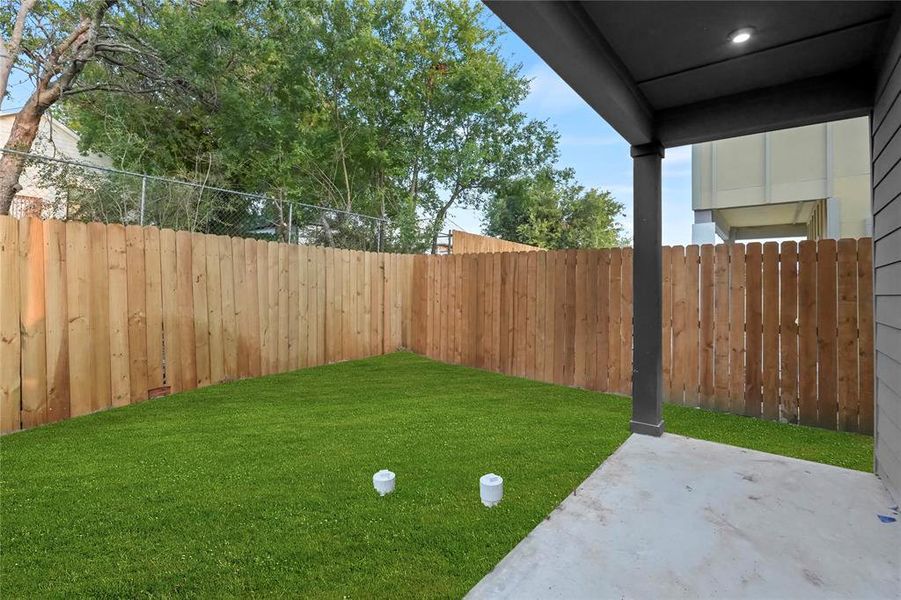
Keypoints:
pixel 58 188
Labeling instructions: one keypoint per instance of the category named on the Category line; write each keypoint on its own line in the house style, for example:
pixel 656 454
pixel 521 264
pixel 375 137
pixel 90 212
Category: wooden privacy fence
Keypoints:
pixel 94 316
pixel 774 333
pixel 468 243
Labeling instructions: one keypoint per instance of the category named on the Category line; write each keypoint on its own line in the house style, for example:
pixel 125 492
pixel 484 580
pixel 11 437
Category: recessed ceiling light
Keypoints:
pixel 740 36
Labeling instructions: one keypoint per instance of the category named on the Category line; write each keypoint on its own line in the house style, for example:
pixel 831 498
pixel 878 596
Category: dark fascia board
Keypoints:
pixel 831 97
pixel 566 38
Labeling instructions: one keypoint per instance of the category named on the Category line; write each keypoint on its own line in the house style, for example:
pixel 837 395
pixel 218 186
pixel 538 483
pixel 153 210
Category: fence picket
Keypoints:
pixel 57 327
pixel 120 361
pixel 737 318
pixel 770 366
pixel 785 333
pixel 788 331
pixel 32 305
pixel 99 307
pixel 707 324
pixel 79 304
pixel 153 300
pixel 827 329
pixel 753 396
pixel 10 344
pixel 807 332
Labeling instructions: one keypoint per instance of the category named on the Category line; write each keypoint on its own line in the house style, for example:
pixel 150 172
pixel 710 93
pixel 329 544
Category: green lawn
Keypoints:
pixel 263 487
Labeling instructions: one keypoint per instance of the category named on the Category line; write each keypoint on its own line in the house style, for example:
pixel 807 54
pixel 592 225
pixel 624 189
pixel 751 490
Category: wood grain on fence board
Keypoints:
pixel 214 310
pixel 153 299
pixel 79 299
pixel 737 319
pixel 602 328
pixel 169 298
pixel 99 308
pixel 788 331
pixel 626 323
pixel 807 332
pixel 753 396
pixel 770 364
pixel 136 275
pixel 667 316
pixel 591 325
pixel 251 304
pixel 614 320
pixel 10 344
pixel 692 290
pixel 827 327
pixel 721 349
pixel 201 310
pixel 261 268
pixel 185 301
pixel 32 305
pixel 120 359
pixel 846 316
pixel 706 323
pixel 229 314
pixel 273 271
pixel 680 325
pixel 57 327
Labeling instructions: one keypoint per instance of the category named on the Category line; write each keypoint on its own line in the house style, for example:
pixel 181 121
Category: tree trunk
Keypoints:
pixel 21 137
pixel 438 223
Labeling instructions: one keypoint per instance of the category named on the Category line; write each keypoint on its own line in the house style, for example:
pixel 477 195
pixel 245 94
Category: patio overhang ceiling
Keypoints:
pixel 669 72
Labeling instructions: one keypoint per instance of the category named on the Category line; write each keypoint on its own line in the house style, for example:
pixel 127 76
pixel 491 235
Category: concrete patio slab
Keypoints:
pixel 674 517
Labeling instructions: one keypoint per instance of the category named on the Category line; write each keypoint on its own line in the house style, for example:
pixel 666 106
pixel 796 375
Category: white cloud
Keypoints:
pixel 549 94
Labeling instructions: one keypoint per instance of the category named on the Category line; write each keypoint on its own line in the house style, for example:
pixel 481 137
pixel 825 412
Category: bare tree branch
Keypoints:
pixel 9 50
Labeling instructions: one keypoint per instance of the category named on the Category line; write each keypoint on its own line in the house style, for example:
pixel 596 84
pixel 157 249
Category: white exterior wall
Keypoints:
pixel 772 172
pixel 54 140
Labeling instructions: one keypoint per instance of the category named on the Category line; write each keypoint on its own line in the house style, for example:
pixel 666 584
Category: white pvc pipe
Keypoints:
pixel 383 482
pixel 491 489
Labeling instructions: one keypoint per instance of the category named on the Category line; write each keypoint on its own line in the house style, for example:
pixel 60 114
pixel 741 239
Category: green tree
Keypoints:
pixel 389 108
pixel 550 210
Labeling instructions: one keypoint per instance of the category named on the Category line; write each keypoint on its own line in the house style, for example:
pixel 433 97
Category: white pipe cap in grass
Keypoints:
pixel 383 481
pixel 491 489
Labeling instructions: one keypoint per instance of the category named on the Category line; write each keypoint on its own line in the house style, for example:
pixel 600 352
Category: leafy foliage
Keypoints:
pixel 551 211
pixel 388 108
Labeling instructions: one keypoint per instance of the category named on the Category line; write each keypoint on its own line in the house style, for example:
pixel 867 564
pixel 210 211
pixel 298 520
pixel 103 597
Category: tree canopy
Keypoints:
pixel 551 211
pixel 396 109
pixel 393 108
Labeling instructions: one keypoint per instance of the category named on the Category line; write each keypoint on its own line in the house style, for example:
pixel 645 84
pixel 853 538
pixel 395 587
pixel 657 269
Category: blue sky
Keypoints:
pixel 599 156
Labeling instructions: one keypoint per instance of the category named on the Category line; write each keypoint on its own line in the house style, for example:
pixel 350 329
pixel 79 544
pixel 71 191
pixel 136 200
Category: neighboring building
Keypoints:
pixel 811 182
pixel 55 140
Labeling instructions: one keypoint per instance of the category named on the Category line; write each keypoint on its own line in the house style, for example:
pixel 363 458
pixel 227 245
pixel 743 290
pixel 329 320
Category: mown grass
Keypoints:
pixel 263 487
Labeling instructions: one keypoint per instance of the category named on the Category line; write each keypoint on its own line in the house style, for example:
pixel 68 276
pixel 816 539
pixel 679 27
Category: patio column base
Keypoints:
pixel 646 428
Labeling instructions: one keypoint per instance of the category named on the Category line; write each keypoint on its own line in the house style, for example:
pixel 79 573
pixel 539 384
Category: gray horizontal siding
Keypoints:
pixel 887 189
pixel 887 221
pixel 888 160
pixel 886 145
pixel 888 279
pixel 888 342
pixel 888 310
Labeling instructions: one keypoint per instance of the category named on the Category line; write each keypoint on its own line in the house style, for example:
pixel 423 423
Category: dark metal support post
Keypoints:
pixel 647 272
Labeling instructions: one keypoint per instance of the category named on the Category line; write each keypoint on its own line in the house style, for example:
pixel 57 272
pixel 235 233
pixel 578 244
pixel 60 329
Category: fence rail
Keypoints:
pixel 781 334
pixel 94 316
